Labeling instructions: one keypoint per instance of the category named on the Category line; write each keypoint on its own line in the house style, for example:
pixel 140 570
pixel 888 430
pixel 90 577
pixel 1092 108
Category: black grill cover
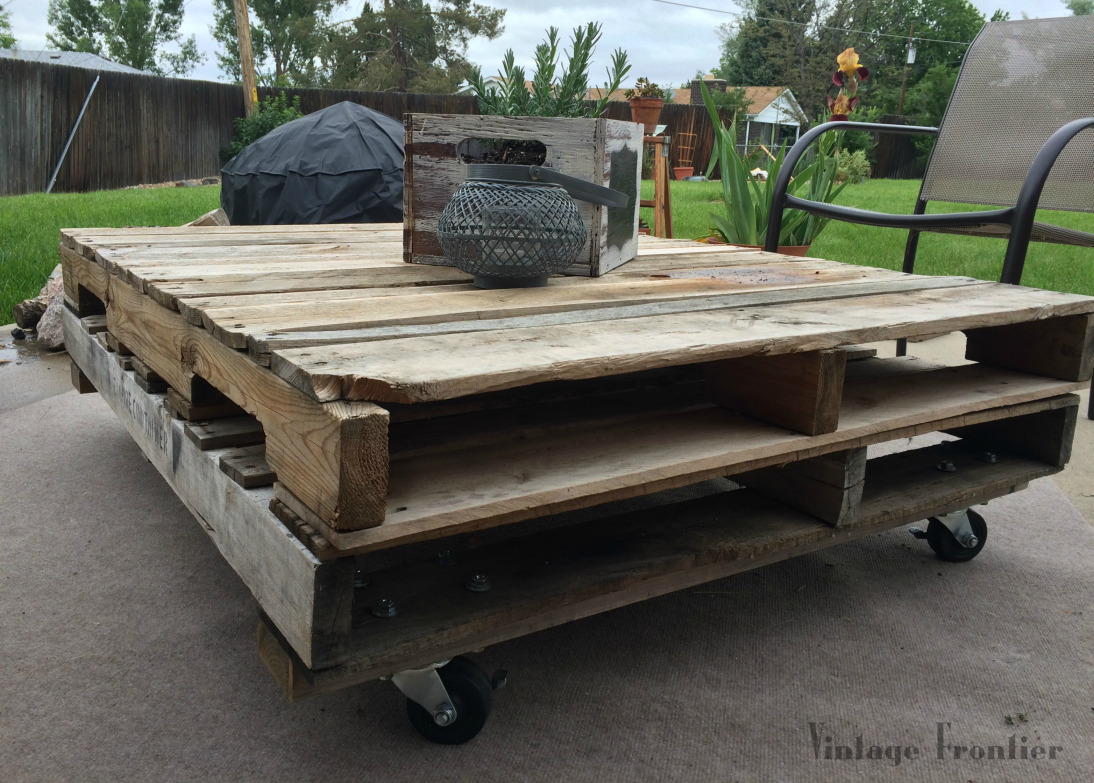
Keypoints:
pixel 343 164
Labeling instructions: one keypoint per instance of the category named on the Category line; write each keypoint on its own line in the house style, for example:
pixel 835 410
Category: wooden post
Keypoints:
pixel 246 57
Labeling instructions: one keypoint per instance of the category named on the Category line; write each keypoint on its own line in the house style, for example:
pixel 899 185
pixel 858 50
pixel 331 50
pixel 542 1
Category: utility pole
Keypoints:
pixel 908 60
pixel 246 57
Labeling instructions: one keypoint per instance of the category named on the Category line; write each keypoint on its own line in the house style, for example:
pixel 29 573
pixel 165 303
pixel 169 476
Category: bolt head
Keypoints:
pixel 444 715
pixel 479 583
pixel 990 457
pixel 947 466
pixel 385 607
pixel 970 541
pixel 445 558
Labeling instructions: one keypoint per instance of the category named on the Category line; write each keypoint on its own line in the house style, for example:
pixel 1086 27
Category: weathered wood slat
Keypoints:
pixel 225 433
pixel 430 368
pixel 261 345
pixel 247 467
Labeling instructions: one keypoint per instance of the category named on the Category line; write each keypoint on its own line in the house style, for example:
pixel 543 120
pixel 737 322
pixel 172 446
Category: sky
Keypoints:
pixel 666 43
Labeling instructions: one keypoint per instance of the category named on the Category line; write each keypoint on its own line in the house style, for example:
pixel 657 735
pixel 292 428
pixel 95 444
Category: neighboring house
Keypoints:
pixel 774 116
pixel 72 59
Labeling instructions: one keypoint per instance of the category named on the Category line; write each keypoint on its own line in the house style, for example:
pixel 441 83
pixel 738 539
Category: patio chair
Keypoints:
pixel 1012 137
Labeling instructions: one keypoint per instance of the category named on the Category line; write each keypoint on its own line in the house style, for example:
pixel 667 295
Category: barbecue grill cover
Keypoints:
pixel 343 164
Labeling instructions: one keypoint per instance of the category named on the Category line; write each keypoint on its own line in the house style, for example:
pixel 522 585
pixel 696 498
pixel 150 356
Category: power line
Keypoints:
pixel 804 24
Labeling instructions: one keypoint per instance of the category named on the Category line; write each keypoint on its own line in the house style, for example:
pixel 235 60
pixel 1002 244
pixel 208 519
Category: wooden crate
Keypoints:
pixel 604 152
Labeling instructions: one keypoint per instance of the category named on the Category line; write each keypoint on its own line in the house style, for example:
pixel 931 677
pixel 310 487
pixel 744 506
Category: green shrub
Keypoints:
pixel 269 114
pixel 852 167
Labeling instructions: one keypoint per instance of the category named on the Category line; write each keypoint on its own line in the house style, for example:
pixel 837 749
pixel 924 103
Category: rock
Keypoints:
pixel 211 181
pixel 218 217
pixel 50 335
pixel 18 334
pixel 28 312
pixel 184 183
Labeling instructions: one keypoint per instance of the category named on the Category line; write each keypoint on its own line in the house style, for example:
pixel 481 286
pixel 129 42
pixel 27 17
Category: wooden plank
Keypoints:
pixel 147 378
pixel 93 324
pixel 799 391
pixel 1060 347
pixel 260 278
pixel 225 433
pixel 308 600
pixel 116 345
pixel 1045 436
pixel 548 470
pixel 188 411
pixel 333 456
pixel 828 487
pixel 261 344
pixel 437 367
pixel 247 466
pixel 80 382
pixel 233 325
pixel 547 579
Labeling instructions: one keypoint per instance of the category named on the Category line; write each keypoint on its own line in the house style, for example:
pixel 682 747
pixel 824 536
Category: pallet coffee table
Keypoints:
pixel 403 468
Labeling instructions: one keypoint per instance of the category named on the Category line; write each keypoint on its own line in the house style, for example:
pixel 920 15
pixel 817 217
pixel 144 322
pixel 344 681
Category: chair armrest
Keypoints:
pixel 782 180
pixel 1030 195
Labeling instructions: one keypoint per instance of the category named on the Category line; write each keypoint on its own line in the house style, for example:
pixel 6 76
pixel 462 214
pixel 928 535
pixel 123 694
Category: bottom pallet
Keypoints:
pixel 558 575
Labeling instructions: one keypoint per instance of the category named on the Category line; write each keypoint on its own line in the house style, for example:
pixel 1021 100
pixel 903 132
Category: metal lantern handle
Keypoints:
pixel 578 188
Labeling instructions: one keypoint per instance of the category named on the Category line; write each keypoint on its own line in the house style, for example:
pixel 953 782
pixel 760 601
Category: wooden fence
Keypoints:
pixel 145 129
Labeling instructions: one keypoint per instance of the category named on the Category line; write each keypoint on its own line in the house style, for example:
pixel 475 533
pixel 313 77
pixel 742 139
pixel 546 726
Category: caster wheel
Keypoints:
pixel 472 695
pixel 948 548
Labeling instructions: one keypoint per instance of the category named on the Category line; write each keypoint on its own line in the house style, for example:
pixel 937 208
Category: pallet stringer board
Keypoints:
pixel 308 599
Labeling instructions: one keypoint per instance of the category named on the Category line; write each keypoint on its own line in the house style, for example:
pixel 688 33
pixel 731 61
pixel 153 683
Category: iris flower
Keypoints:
pixel 849 66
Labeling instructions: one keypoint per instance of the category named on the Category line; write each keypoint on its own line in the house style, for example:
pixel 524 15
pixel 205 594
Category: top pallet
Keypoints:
pixel 340 350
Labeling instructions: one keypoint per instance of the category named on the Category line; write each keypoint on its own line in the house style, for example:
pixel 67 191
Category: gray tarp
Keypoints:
pixel 343 164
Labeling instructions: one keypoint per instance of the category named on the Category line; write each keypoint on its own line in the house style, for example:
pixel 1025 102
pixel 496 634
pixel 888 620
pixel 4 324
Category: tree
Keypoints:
pixel 7 38
pixel 286 36
pixel 1080 7
pixel 131 32
pixel 784 43
pixel 408 45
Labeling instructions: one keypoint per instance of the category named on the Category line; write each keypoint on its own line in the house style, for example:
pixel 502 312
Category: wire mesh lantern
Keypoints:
pixel 513 226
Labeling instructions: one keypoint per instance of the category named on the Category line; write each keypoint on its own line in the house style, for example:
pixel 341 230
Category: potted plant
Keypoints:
pixel 646 100
pixel 747 198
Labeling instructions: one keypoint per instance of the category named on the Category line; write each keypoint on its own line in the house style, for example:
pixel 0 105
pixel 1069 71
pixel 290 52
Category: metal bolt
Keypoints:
pixel 444 714
pixel 385 607
pixel 478 583
pixel 990 457
pixel 360 580
pixel 947 466
pixel 445 558
pixel 970 541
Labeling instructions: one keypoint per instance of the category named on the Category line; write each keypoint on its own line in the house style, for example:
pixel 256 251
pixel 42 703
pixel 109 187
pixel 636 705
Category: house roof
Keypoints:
pixel 72 59
pixel 759 98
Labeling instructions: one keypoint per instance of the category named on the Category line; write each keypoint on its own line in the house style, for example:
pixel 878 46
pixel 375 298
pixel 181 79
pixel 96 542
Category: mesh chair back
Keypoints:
pixel 1020 82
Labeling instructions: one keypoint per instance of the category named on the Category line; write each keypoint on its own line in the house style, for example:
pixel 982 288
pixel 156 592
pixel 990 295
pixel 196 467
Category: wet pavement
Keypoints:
pixel 29 373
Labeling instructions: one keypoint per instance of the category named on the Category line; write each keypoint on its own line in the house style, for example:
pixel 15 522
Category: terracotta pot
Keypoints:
pixel 646 111
pixel 682 172
pixel 786 250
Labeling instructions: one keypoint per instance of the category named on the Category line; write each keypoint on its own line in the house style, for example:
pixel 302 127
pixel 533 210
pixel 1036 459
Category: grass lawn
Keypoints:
pixel 1054 267
pixel 30 226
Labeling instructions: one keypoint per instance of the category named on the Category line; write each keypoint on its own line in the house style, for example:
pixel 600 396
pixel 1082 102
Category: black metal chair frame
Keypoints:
pixel 1019 217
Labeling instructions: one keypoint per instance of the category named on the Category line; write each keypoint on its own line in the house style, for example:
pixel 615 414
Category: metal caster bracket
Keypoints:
pixel 959 524
pixel 425 688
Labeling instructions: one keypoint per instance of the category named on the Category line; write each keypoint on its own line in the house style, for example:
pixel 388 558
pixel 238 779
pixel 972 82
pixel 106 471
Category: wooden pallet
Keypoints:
pixel 336 348
pixel 395 412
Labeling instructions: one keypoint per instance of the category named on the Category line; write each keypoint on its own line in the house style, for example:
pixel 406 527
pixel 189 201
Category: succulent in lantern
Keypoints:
pixel 847 78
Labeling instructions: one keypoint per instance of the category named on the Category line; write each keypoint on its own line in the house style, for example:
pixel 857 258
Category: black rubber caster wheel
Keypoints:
pixel 948 548
pixel 472 695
